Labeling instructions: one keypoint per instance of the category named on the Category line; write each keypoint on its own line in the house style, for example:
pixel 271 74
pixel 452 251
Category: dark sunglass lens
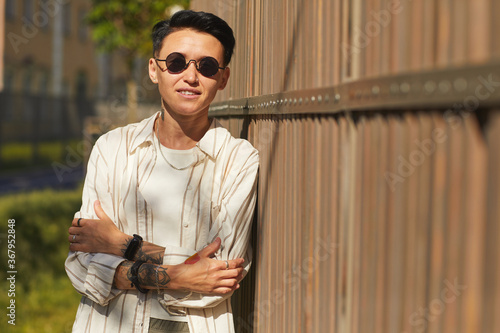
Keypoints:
pixel 208 66
pixel 176 62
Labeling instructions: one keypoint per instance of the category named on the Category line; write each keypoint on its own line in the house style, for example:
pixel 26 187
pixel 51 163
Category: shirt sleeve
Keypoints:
pixel 92 274
pixel 232 222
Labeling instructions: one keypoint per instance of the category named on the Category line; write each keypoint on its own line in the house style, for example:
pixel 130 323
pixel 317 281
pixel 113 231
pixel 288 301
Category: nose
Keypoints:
pixel 191 73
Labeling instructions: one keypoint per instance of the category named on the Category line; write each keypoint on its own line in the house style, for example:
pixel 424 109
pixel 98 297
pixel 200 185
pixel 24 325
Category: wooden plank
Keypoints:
pixel 355 20
pixel 443 49
pixel 295 314
pixel 396 227
pixel 346 43
pixel 332 221
pixel 308 225
pixel 459 36
pixel 368 55
pixel 358 134
pixel 412 191
pixel 437 230
pixel 279 222
pixel 320 292
pixel 479 31
pixel 370 151
pixel 476 185
pixel 417 42
pixel 429 32
pixel 492 259
pixel 350 229
pixel 495 26
pixel 384 164
pixel 342 293
pixel 454 220
pixel 336 50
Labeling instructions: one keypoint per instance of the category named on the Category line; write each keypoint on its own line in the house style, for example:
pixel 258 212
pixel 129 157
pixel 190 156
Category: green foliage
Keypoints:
pixel 125 25
pixel 45 298
pixel 19 155
pixel 16 151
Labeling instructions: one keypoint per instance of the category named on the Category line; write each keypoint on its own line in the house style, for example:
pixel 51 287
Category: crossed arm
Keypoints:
pixel 203 274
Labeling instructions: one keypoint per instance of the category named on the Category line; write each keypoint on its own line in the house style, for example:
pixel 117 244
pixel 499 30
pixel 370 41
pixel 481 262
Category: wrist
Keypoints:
pixel 176 278
pixel 119 244
pixel 118 248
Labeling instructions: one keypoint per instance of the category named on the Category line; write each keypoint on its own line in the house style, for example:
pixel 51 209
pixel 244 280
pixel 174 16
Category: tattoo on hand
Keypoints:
pixel 146 252
pixel 153 276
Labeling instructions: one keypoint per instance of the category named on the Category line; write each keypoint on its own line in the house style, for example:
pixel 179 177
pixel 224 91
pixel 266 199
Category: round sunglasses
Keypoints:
pixel 176 63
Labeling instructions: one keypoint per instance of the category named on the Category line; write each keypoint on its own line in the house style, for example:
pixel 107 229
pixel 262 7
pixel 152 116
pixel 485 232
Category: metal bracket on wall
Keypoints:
pixel 466 88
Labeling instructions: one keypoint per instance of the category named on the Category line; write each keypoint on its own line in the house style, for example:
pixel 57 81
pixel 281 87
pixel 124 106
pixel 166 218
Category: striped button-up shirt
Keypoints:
pixel 219 200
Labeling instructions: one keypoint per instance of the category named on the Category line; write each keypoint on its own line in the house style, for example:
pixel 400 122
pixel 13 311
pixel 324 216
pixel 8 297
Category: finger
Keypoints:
pixel 74 223
pixel 210 248
pixel 230 274
pixel 99 211
pixel 72 238
pixel 74 247
pixel 74 230
pixel 229 283
pixel 235 263
pixel 225 290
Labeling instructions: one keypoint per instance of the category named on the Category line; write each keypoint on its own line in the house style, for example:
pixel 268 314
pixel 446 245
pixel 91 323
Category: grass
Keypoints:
pixel 44 297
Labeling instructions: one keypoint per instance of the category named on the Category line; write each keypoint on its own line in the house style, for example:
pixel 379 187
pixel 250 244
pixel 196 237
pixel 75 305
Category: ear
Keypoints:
pixel 225 78
pixel 153 71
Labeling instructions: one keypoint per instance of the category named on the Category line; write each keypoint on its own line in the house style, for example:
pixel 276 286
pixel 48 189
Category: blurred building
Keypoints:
pixel 53 75
pixel 48 50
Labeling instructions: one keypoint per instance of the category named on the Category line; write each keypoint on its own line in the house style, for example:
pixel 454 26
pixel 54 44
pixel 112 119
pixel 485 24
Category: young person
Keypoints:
pixel 157 192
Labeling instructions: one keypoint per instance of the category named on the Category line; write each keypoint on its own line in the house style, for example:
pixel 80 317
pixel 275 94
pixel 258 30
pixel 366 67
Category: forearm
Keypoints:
pixel 206 275
pixel 151 276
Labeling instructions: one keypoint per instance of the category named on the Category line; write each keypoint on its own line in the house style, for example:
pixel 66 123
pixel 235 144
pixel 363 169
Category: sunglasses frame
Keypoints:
pixel 196 64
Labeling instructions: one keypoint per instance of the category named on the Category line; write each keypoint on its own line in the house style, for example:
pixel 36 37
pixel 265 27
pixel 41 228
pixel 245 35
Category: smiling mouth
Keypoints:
pixel 188 93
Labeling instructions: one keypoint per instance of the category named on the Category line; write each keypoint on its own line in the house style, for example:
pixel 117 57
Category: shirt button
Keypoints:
pixel 186 225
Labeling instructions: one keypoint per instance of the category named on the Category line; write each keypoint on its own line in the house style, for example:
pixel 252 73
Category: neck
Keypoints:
pixel 181 133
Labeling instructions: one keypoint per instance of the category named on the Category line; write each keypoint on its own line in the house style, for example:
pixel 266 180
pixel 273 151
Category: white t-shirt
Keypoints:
pixel 164 191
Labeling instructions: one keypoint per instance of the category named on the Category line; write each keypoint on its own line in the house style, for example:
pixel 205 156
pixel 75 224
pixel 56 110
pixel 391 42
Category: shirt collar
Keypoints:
pixel 210 143
pixel 214 138
pixel 145 133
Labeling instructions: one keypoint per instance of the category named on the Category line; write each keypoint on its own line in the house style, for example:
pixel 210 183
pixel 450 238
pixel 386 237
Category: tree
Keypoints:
pixel 124 26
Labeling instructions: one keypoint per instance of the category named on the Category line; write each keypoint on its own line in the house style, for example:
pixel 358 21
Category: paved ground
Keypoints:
pixel 14 182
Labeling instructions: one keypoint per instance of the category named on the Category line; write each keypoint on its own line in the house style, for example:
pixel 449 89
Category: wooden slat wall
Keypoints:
pixel 380 221
pixel 375 222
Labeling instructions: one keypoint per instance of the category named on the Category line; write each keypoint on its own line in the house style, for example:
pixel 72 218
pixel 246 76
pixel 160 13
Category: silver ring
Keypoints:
pixel 78 223
pixel 227 264
pixel 74 237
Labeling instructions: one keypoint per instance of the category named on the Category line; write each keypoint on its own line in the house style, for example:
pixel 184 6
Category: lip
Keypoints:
pixel 196 92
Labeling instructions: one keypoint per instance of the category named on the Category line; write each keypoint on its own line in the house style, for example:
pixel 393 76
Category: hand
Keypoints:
pixel 209 276
pixel 96 236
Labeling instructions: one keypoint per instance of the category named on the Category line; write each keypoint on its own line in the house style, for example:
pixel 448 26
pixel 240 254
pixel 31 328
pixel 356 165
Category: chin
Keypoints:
pixel 191 112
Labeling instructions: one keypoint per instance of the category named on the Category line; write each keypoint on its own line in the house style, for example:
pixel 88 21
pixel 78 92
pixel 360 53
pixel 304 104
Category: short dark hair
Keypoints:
pixel 199 21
